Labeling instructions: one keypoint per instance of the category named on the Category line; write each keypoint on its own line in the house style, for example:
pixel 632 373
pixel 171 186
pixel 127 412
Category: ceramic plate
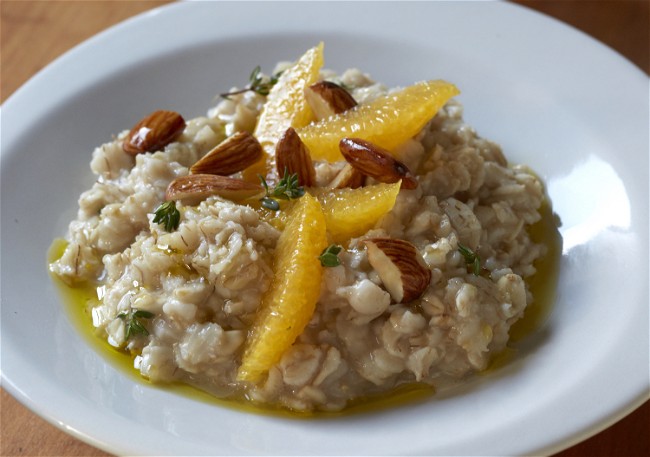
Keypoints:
pixel 572 109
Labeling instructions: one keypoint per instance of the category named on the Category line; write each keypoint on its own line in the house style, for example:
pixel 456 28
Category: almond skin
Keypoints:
pixel 376 162
pixel 347 177
pixel 292 156
pixel 236 153
pixel 326 99
pixel 400 267
pixel 154 132
pixel 194 188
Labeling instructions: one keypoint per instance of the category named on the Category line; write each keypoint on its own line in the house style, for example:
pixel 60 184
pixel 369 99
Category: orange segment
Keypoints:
pixel 352 212
pixel 285 107
pixel 289 303
pixel 388 121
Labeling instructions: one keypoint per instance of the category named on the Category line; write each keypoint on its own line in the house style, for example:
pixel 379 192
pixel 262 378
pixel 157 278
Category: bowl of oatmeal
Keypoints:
pixel 363 337
pixel 208 278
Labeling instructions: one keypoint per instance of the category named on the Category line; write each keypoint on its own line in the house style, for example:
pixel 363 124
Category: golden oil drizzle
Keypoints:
pixel 542 285
pixel 79 301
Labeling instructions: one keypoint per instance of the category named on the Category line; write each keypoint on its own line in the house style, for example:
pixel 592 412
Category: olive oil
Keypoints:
pixel 542 285
pixel 80 300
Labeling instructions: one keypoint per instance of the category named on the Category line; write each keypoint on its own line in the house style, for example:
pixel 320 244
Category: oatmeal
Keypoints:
pixel 407 262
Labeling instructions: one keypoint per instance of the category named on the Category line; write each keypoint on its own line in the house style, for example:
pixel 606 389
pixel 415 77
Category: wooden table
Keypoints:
pixel 36 32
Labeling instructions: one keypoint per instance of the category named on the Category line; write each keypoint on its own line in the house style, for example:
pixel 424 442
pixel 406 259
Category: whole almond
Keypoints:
pixel 326 99
pixel 376 162
pixel 400 267
pixel 194 188
pixel 347 177
pixel 236 153
pixel 154 132
pixel 292 156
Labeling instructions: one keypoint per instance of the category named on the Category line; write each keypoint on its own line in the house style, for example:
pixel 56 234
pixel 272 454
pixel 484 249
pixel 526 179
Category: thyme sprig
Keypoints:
pixel 472 259
pixel 133 325
pixel 330 256
pixel 257 83
pixel 168 215
pixel 288 188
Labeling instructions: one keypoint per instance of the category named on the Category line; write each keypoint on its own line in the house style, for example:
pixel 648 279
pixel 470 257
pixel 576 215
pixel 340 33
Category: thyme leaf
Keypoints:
pixel 269 203
pixel 472 259
pixel 133 325
pixel 330 256
pixel 256 83
pixel 288 188
pixel 168 216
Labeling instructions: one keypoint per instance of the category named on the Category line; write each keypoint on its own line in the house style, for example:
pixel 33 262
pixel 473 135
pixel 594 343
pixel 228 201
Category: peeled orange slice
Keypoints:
pixel 289 303
pixel 387 121
pixel 285 107
pixel 352 212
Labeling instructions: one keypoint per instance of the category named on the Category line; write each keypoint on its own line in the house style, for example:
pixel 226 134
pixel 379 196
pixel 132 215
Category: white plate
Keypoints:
pixel 555 99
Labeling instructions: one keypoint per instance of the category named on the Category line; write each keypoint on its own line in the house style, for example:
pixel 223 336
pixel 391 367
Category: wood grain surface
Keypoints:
pixel 33 33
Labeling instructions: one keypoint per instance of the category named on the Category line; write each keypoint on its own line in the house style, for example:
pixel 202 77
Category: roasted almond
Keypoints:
pixel 400 267
pixel 347 177
pixel 292 156
pixel 326 99
pixel 376 162
pixel 154 132
pixel 194 188
pixel 236 153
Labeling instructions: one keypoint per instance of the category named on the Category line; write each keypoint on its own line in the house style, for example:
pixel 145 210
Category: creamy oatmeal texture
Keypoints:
pixel 203 282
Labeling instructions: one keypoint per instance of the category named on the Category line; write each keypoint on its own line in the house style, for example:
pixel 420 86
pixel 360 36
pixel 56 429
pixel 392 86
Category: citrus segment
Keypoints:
pixel 352 212
pixel 285 107
pixel 388 121
pixel 289 303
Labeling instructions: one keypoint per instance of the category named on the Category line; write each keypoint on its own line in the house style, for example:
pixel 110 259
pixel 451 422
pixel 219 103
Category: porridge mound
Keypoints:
pixel 426 293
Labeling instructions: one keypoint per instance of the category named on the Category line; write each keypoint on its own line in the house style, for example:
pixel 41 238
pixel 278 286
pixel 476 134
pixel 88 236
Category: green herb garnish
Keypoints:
pixel 287 189
pixel 132 320
pixel 472 259
pixel 168 215
pixel 330 256
pixel 257 83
